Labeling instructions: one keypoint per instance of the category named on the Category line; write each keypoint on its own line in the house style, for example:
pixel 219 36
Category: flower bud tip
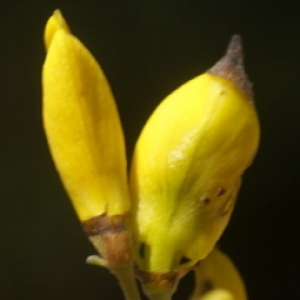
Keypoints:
pixel 231 67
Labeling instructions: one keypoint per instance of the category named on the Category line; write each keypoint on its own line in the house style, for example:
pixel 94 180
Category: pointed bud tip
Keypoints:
pixel 234 50
pixel 55 22
pixel 231 67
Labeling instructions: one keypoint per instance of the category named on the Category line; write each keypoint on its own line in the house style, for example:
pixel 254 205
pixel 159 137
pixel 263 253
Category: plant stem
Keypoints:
pixel 127 281
pixel 161 296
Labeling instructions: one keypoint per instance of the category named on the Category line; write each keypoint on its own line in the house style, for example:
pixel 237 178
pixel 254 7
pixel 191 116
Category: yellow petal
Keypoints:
pixel 218 295
pixel 187 169
pixel 218 271
pixel 82 125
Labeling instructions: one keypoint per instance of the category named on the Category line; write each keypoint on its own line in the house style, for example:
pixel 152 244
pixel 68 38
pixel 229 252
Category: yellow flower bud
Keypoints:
pixel 188 163
pixel 82 125
pixel 216 275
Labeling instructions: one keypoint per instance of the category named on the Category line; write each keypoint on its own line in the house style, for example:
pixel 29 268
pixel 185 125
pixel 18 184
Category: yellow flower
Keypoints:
pixel 82 125
pixel 216 277
pixel 186 169
pixel 188 163
pixel 86 141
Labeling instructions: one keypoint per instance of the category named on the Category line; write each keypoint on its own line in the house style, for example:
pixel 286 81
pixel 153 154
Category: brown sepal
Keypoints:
pixel 231 67
pixel 110 237
pixel 153 282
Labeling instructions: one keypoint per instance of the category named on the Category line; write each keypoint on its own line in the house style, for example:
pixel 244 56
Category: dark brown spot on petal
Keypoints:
pixel 205 200
pixel 220 192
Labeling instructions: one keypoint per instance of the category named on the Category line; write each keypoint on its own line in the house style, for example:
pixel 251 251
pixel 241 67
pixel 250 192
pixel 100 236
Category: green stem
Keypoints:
pixel 127 281
pixel 156 292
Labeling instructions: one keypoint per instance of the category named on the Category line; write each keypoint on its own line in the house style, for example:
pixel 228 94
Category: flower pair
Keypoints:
pixel 186 169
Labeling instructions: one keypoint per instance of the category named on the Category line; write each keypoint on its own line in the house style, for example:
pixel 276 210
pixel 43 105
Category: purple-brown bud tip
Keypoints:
pixel 231 67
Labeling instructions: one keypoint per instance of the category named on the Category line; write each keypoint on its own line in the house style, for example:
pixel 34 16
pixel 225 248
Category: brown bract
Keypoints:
pixel 160 283
pixel 110 237
pixel 231 67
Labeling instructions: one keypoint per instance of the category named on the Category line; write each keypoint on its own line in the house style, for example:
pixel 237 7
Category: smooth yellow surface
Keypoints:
pixel 198 141
pixel 218 295
pixel 82 125
pixel 221 272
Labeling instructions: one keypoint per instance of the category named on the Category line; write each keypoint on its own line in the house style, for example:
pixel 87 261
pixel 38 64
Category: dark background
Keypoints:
pixel 147 48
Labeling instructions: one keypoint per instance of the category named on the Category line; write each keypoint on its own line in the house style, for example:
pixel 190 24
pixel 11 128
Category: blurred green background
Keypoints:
pixel 147 48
